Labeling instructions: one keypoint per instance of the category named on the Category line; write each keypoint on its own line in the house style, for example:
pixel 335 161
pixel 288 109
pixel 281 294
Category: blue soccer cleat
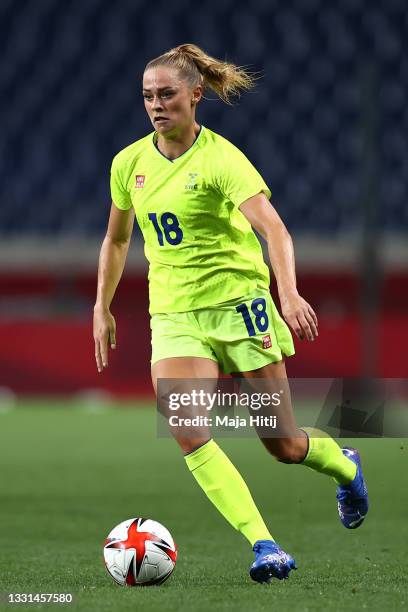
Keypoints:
pixel 352 499
pixel 270 562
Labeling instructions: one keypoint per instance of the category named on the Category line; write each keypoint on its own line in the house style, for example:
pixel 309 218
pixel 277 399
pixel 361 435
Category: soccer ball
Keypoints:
pixel 139 552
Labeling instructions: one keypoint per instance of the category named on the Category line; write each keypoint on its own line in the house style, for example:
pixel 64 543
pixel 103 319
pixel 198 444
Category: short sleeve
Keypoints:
pixel 239 180
pixel 120 195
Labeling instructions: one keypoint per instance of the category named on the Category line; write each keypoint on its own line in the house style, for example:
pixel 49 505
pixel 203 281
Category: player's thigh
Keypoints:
pixel 184 368
pixel 181 376
pixel 271 380
pixel 286 442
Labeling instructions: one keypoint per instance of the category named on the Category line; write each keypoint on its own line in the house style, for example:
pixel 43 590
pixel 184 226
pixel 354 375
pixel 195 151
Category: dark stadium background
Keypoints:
pixel 326 127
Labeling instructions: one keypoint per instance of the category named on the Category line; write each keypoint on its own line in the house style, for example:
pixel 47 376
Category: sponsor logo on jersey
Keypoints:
pixel 266 341
pixel 191 181
pixel 140 179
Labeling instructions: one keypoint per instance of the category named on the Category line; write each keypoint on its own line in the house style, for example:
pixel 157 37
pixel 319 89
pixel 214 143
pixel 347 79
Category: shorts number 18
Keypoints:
pixel 258 308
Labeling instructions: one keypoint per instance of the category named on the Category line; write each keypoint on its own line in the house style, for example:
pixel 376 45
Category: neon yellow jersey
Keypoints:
pixel 201 249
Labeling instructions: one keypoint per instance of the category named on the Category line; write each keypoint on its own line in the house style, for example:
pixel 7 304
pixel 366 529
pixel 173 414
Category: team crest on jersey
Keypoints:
pixel 266 342
pixel 140 179
pixel 191 181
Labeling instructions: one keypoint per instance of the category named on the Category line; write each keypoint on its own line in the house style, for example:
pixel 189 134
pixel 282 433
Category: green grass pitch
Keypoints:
pixel 69 475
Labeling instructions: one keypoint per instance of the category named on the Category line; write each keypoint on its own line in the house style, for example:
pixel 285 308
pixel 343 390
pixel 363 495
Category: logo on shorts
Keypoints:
pixel 140 179
pixel 266 342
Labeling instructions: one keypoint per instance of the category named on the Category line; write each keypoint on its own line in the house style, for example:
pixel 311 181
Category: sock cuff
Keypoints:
pixel 313 436
pixel 203 454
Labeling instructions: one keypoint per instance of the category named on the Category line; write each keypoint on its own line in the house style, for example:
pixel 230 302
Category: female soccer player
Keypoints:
pixel 196 198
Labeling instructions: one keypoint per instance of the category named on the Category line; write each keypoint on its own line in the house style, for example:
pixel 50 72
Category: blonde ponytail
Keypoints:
pixel 225 79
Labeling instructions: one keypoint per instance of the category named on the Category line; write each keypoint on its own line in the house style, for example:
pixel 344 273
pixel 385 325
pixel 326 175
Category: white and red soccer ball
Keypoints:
pixel 140 552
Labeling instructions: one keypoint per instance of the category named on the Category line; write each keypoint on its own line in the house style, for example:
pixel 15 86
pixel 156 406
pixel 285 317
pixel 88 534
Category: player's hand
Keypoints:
pixel 104 332
pixel 300 316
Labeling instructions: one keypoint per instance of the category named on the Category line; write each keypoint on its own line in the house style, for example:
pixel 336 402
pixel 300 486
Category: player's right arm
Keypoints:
pixel 112 260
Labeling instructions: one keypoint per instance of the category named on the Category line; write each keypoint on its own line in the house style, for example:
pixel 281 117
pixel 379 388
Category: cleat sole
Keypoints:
pixel 267 572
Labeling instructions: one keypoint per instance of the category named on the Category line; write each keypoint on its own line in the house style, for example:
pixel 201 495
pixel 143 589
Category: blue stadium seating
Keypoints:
pixel 331 72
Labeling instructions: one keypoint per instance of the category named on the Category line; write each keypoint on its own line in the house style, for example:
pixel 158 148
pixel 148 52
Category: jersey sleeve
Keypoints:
pixel 120 195
pixel 238 179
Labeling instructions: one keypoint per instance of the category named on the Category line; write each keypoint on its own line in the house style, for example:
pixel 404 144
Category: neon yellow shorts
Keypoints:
pixel 241 334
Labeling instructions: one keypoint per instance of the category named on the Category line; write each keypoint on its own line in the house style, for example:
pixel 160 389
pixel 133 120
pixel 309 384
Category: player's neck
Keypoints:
pixel 175 145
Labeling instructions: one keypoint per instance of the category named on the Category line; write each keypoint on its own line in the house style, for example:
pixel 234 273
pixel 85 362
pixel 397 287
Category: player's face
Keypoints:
pixel 168 100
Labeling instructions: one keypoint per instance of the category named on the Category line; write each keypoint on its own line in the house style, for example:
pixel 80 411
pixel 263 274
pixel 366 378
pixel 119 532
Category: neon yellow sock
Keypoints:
pixel 325 456
pixel 225 487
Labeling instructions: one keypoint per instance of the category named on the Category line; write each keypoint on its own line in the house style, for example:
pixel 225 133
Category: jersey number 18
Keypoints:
pixel 169 227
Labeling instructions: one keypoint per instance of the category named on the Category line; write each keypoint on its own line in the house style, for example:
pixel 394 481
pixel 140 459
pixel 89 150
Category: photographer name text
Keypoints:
pixel 235 422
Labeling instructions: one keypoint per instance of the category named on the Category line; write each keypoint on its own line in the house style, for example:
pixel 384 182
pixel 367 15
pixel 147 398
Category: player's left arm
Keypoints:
pixel 266 221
